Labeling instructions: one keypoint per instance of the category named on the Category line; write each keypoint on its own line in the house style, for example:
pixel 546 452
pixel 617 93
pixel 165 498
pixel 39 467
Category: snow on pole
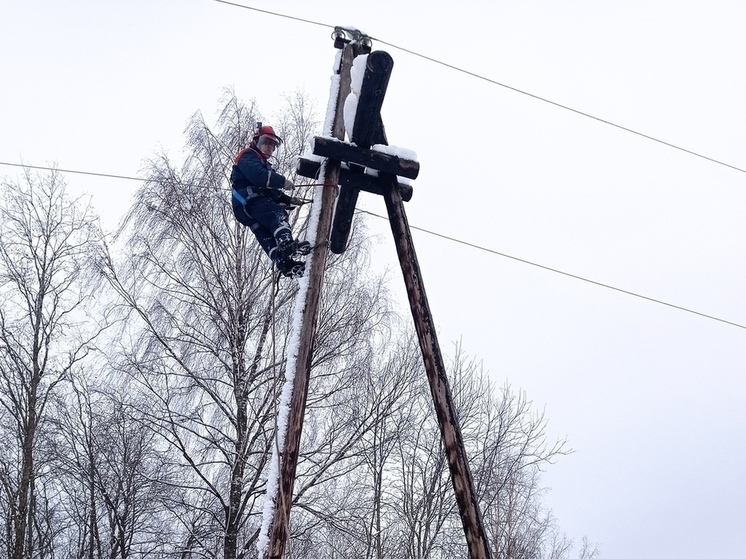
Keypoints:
pixel 357 72
pixel 269 504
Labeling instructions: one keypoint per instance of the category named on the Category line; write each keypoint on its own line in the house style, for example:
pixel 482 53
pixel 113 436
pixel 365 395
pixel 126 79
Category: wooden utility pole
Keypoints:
pixel 360 155
pixel 445 409
pixel 289 460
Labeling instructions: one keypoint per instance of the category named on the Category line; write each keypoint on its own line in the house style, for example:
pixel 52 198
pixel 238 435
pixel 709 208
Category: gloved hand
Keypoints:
pixel 288 185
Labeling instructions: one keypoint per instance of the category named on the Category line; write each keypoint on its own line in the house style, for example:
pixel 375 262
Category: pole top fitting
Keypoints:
pixel 345 35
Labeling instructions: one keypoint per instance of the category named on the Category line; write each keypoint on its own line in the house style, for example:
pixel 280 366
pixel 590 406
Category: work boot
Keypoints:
pixel 285 243
pixel 293 249
pixel 291 268
pixel 302 247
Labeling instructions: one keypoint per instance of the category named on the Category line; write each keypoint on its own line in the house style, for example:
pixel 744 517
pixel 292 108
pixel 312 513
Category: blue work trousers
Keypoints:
pixel 264 217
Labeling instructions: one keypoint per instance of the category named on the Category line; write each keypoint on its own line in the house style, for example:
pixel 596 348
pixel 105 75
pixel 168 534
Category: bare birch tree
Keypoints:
pixel 112 474
pixel 211 335
pixel 399 502
pixel 47 242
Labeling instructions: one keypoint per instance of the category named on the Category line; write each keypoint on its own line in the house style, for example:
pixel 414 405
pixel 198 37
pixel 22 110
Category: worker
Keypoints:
pixel 260 204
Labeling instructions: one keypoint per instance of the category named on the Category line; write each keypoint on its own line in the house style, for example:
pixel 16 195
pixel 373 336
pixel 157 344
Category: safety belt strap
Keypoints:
pixel 238 197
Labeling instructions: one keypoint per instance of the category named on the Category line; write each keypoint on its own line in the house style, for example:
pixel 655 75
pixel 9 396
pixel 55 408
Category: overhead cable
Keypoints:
pixel 567 274
pixel 435 234
pixel 506 86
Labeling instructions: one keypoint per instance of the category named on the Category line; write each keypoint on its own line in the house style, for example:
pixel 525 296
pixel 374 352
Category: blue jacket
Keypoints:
pixel 253 176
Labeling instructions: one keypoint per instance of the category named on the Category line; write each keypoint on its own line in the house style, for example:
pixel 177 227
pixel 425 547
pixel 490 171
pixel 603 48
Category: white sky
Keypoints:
pixel 650 396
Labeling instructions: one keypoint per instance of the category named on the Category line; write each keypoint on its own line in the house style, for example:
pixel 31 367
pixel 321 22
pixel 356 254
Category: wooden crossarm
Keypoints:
pixel 342 151
pixel 367 183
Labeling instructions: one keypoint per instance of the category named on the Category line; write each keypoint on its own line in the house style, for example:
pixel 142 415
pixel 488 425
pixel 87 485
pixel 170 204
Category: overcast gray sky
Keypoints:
pixel 650 396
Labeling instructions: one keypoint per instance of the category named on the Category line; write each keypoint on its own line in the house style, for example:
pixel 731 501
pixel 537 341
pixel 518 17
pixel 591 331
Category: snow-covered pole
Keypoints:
pixel 368 149
pixel 307 310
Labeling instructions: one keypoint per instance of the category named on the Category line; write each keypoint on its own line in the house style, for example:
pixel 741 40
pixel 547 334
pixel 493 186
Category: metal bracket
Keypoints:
pixel 345 35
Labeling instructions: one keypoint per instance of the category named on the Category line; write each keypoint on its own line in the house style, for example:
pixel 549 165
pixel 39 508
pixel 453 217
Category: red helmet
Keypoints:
pixel 266 131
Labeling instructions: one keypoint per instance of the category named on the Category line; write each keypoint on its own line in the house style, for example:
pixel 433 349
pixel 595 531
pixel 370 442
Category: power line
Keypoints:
pixel 235 4
pixel 435 234
pixel 91 173
pixel 565 107
pixel 556 271
pixel 506 86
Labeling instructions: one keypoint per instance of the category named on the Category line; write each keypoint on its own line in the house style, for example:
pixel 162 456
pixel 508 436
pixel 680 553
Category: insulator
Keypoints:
pixel 340 37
